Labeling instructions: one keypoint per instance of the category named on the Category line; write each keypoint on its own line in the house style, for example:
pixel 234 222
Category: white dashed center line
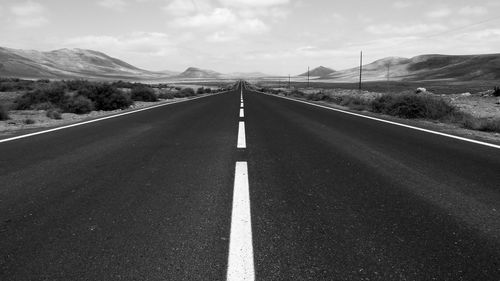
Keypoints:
pixel 240 264
pixel 241 105
pixel 242 113
pixel 242 143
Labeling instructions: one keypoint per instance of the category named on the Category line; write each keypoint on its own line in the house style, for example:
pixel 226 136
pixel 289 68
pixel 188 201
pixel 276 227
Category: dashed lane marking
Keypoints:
pixel 241 264
pixel 242 143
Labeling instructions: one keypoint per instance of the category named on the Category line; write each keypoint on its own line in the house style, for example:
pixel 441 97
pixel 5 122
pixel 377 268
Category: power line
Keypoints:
pixel 462 27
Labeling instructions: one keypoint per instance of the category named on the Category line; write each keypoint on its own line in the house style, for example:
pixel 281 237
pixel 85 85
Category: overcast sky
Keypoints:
pixel 270 36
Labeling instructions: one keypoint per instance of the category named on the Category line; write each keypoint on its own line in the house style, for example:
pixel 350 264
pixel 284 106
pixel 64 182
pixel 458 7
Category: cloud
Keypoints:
pixel 223 24
pixel 29 14
pixel 113 4
pixel 186 7
pixel 147 43
pixel 405 29
pixel 253 3
pixel 473 11
pixel 218 17
pixel 439 13
pixel 402 4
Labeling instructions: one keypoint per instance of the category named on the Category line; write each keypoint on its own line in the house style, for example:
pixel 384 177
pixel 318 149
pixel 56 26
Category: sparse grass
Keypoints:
pixel 4 113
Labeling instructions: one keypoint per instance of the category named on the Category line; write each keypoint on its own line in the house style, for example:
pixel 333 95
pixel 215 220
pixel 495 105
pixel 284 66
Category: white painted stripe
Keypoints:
pixel 240 264
pixel 241 105
pixel 393 123
pixel 100 119
pixel 242 113
pixel 242 143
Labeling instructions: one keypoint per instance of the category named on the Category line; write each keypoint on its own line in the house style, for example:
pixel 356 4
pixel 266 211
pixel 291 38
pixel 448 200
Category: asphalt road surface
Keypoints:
pixel 281 190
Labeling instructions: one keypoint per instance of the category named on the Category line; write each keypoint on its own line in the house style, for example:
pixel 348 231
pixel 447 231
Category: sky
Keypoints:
pixel 278 37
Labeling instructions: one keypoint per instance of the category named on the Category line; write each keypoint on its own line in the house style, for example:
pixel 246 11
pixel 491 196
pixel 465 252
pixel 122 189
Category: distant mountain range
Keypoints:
pixel 68 63
pixel 320 71
pixel 89 64
pixel 426 67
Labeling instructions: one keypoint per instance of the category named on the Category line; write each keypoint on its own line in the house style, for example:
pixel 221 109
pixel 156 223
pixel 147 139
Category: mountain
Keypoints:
pixel 320 71
pixel 193 72
pixel 68 63
pixel 426 67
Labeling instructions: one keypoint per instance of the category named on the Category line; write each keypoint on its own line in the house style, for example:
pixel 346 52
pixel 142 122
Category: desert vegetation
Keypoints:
pixel 27 102
pixel 81 96
pixel 404 105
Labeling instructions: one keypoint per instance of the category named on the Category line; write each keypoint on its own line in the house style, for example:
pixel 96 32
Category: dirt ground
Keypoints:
pixel 18 122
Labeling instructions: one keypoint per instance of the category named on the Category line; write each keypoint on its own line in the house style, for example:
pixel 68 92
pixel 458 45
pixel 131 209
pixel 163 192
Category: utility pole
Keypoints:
pixel 360 69
pixel 388 75
pixel 288 81
pixel 308 77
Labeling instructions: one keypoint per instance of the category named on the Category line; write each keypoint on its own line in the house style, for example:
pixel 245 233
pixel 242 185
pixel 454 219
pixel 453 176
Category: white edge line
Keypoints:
pixel 391 122
pixel 242 143
pixel 240 264
pixel 102 118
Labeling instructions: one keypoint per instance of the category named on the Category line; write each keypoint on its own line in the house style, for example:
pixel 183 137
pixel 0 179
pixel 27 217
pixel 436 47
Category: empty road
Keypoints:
pixel 247 186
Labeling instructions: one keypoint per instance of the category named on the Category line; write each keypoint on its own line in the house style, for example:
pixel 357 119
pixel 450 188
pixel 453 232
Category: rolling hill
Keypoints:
pixel 320 71
pixel 68 63
pixel 426 67
pixel 194 72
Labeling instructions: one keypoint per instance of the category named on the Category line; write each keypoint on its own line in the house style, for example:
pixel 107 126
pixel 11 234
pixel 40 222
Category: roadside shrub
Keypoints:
pixel 43 106
pixel 166 95
pixel 123 84
pixel 185 92
pixel 319 96
pixel 143 93
pixel 29 121
pixel 54 113
pixel 54 93
pixel 106 97
pixel 208 90
pixel 76 85
pixel 79 104
pixel 200 91
pixel 4 113
pixel 15 84
pixel 297 93
pixel 496 92
pixel 354 102
pixel 412 106
pixel 482 124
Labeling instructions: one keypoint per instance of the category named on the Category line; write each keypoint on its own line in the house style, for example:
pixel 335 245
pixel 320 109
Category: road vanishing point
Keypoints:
pixel 246 186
